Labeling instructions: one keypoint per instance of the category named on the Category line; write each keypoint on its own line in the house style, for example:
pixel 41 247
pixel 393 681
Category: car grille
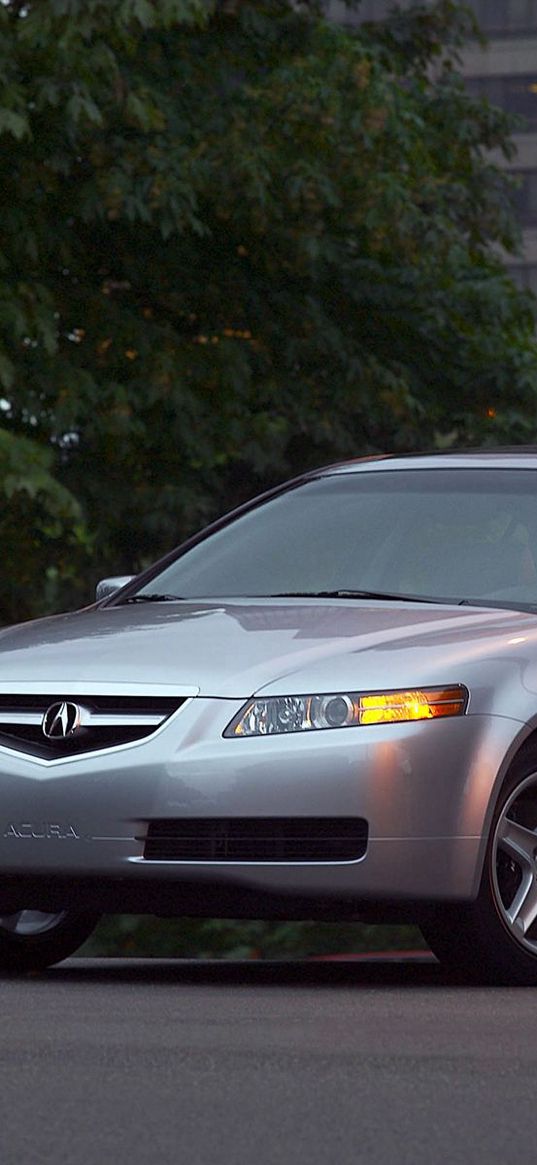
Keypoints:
pixel 105 722
pixel 257 839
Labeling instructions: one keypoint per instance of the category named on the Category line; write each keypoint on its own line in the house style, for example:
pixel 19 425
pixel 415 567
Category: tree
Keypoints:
pixel 238 240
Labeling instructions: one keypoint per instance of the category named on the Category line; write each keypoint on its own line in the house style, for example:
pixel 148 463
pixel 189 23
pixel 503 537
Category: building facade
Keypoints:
pixel 505 71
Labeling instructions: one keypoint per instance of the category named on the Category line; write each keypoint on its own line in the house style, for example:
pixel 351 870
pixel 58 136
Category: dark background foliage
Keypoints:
pixel 138 936
pixel 236 241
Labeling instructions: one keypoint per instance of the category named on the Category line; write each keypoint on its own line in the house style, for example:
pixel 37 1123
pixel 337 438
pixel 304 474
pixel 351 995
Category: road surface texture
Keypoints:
pixel 128 1062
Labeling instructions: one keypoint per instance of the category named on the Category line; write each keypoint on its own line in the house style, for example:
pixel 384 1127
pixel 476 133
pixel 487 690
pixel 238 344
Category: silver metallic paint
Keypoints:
pixel 427 789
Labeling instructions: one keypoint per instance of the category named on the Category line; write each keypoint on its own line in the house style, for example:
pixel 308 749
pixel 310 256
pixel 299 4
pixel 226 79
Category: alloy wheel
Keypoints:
pixel 30 923
pixel 514 864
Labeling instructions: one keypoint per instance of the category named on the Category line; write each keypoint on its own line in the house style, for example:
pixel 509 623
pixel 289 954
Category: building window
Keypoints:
pixel 525 276
pixel 368 10
pixel 525 197
pixel 516 94
pixel 497 17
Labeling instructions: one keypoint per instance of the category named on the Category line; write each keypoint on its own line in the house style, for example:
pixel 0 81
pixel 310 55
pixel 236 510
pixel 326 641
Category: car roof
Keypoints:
pixel 514 457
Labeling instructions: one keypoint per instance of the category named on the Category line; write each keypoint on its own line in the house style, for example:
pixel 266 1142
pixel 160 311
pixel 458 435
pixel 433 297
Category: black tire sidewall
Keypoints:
pixel 19 953
pixel 491 925
pixel 472 938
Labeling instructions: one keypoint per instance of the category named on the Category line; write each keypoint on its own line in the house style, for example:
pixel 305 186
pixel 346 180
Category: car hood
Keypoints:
pixel 236 647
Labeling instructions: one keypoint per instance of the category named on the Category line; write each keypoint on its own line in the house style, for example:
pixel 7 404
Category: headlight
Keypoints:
pixel 277 714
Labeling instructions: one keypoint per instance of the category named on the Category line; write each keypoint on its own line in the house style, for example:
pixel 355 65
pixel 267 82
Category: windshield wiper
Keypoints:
pixel 152 597
pixel 501 604
pixel 348 594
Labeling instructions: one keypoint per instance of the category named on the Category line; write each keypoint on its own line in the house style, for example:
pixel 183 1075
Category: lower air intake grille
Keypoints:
pixel 257 839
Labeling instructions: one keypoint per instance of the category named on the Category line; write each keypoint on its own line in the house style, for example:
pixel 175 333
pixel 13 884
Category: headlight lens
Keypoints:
pixel 278 714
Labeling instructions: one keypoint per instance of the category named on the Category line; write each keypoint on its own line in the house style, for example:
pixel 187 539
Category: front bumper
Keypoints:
pixel 77 828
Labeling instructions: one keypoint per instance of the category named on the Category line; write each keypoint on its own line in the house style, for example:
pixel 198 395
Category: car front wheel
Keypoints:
pixel 31 940
pixel 495 938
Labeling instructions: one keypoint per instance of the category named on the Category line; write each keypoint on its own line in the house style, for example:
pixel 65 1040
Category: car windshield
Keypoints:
pixel 441 534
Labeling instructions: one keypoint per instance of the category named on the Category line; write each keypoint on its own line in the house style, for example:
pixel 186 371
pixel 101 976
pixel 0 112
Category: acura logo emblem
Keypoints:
pixel 61 720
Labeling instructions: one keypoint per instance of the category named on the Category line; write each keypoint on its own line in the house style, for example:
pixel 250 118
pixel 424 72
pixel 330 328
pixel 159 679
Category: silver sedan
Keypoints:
pixel 322 706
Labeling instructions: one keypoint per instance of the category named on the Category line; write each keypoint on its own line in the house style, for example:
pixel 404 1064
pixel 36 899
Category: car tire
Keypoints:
pixel 31 940
pixel 494 939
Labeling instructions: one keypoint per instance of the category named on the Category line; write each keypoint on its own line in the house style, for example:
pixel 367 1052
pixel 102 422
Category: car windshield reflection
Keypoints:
pixel 461 536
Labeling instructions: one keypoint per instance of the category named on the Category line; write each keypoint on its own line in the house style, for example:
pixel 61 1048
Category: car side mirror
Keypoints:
pixel 107 586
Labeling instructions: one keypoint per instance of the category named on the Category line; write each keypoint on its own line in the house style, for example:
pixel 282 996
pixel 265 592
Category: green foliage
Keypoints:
pixel 143 937
pixel 37 512
pixel 237 241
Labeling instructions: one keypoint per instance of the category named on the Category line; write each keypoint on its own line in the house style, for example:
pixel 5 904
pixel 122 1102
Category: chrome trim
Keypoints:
pixel 30 718
pixel 61 719
pixel 159 863
pixel 87 717
pixel 112 720
pixel 28 758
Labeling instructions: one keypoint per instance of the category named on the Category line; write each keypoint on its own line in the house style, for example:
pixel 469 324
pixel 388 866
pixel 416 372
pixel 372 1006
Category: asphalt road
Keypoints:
pixel 109 1062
